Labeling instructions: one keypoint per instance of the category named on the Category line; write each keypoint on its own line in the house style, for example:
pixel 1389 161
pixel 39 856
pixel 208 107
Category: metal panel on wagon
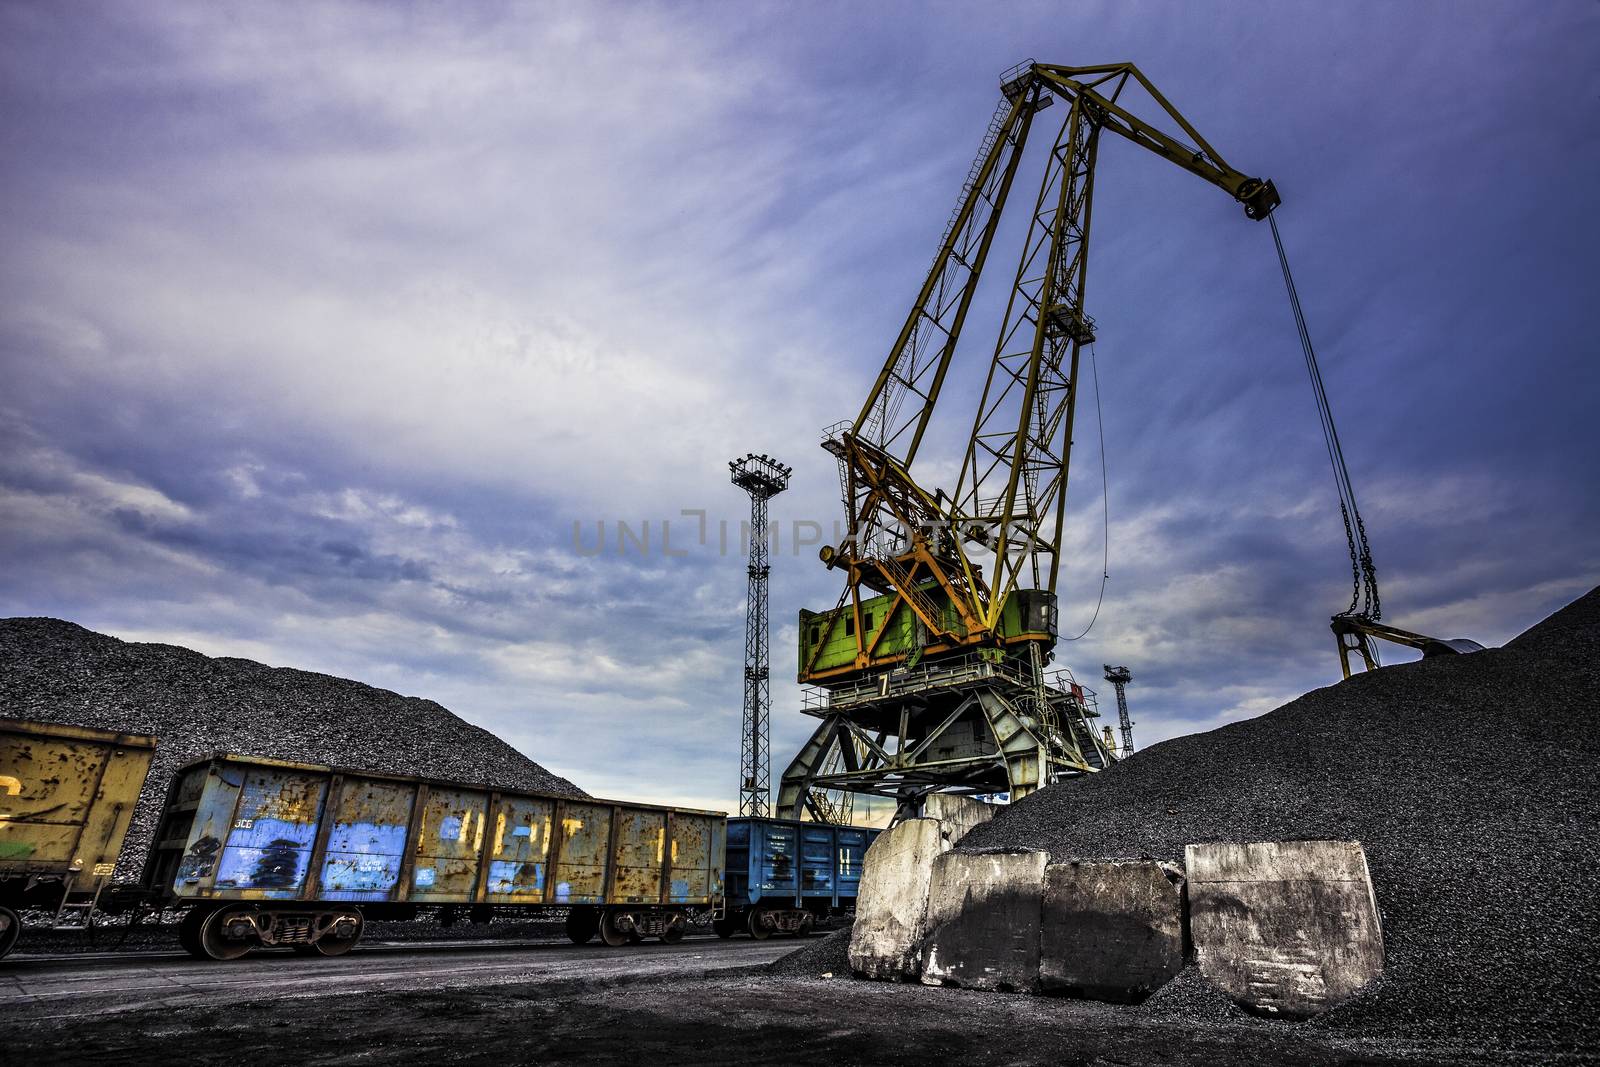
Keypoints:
pixel 46 788
pixel 774 846
pixel 213 815
pixel 520 850
pixel 636 859
pixel 267 851
pixel 853 845
pixel 367 840
pixel 817 860
pixel 66 796
pixel 448 847
pixel 579 872
pixel 695 868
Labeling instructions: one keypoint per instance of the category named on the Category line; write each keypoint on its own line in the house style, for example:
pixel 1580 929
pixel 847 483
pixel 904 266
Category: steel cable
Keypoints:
pixel 1363 575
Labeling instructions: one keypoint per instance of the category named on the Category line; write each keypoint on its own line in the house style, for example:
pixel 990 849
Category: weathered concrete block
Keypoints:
pixel 892 902
pixel 983 920
pixel 1111 930
pixel 957 815
pixel 1287 928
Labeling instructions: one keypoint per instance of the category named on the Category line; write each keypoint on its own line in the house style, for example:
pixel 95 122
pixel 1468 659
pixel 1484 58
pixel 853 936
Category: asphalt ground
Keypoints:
pixel 700 1002
pixel 69 989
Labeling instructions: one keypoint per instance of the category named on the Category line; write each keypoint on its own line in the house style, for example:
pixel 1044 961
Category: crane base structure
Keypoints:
pixel 978 725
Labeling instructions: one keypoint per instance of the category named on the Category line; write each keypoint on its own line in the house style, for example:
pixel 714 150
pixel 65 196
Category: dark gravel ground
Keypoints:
pixel 1471 783
pixel 722 1018
pixel 54 671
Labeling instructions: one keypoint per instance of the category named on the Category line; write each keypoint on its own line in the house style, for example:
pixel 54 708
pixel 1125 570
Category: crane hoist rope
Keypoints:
pixel 1364 603
pixel 1358 628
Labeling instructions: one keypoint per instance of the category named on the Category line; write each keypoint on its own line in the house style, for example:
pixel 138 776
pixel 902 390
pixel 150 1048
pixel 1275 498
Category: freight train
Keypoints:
pixel 271 853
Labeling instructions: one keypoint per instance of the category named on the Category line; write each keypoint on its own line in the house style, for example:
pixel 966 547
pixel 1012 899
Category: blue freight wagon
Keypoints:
pixel 785 875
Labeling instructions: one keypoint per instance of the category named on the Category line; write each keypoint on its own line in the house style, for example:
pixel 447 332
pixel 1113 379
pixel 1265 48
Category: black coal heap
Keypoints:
pixel 1470 780
pixel 54 671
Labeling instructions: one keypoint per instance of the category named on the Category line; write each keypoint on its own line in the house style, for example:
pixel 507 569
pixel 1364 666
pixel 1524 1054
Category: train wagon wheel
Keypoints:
pixel 189 932
pixel 758 930
pixel 674 933
pixel 582 924
pixel 612 934
pixel 213 940
pixel 328 945
pixel 808 923
pixel 10 930
pixel 723 928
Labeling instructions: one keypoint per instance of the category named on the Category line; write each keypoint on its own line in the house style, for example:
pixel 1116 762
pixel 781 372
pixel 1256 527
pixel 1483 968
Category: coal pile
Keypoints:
pixel 54 671
pixel 1470 781
pixel 827 955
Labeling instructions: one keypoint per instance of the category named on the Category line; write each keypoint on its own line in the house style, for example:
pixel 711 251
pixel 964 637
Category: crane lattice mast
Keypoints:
pixel 763 478
pixel 931 667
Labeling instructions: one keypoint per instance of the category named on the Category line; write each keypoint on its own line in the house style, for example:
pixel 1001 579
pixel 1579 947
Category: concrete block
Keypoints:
pixel 983 920
pixel 957 815
pixel 892 902
pixel 1285 928
pixel 1111 930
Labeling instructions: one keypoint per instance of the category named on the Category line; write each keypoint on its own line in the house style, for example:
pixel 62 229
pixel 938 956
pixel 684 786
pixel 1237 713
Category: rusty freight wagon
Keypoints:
pixel 66 799
pixel 265 852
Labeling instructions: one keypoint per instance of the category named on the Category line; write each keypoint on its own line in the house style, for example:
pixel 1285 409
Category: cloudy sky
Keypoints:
pixel 323 325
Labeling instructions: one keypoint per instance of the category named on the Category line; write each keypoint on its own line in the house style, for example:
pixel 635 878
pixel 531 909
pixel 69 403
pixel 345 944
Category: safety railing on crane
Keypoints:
pixel 945 672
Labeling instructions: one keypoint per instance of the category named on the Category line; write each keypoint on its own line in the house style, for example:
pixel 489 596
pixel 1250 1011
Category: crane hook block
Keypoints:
pixel 1259 197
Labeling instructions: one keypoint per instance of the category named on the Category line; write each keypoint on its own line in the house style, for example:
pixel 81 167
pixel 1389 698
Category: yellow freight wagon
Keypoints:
pixel 266 852
pixel 66 798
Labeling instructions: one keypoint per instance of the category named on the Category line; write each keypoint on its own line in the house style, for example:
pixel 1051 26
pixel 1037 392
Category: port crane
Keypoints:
pixel 930 672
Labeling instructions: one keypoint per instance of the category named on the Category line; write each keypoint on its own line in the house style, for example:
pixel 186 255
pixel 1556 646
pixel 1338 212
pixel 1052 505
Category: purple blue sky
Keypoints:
pixel 321 325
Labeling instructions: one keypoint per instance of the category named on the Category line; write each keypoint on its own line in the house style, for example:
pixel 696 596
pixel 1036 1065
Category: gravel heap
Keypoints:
pixel 54 671
pixel 1470 780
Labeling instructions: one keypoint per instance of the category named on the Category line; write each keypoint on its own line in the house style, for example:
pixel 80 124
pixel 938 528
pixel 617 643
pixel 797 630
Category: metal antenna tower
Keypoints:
pixel 763 478
pixel 1120 677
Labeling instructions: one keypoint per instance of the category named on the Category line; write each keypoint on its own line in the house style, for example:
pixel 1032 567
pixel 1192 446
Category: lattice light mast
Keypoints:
pixel 1120 677
pixel 763 478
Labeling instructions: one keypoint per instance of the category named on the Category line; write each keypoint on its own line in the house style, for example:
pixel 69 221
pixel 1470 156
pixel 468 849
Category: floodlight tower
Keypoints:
pixel 1120 677
pixel 763 478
